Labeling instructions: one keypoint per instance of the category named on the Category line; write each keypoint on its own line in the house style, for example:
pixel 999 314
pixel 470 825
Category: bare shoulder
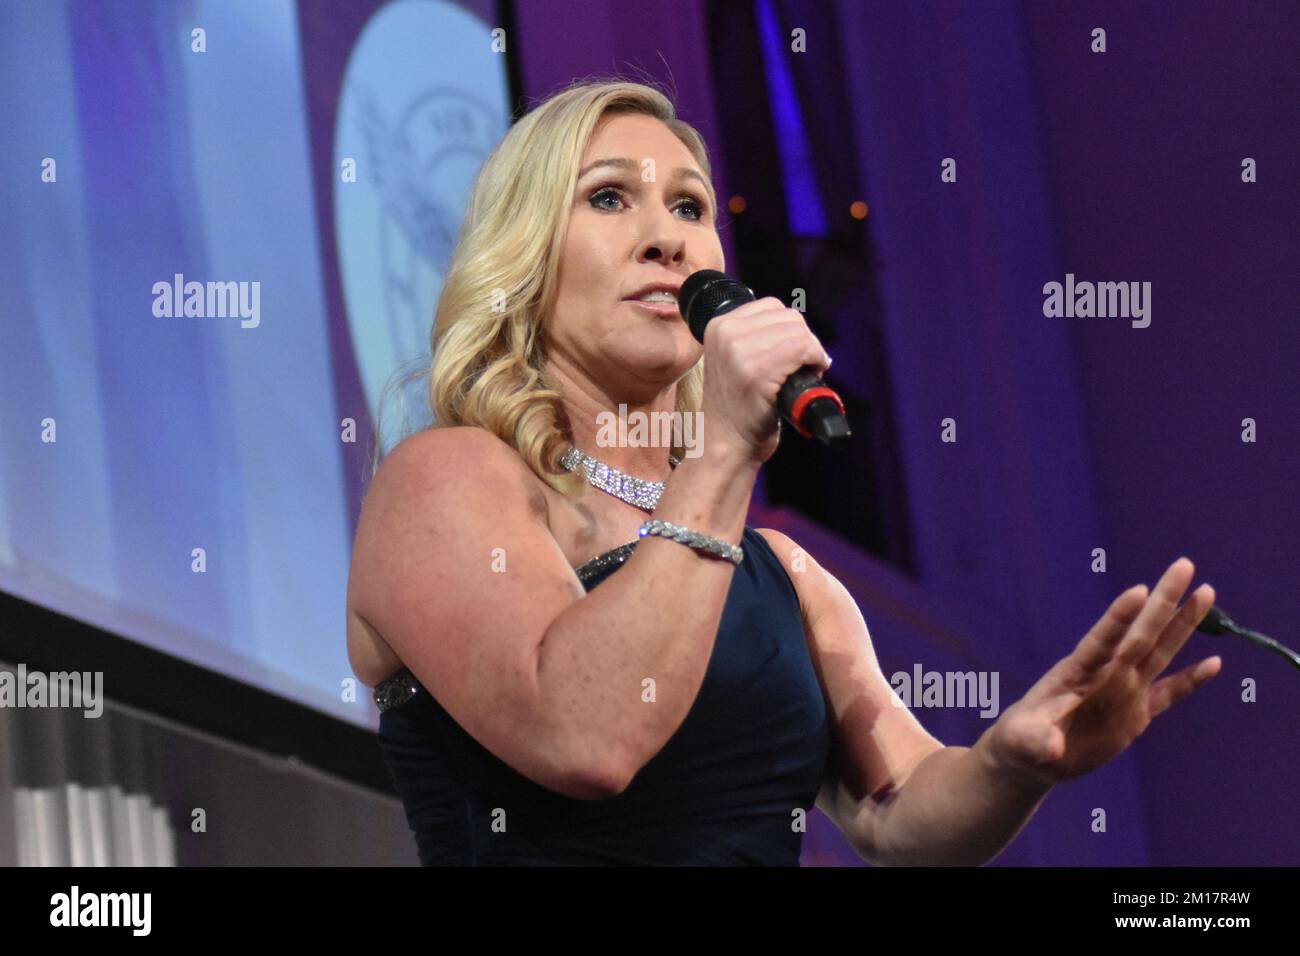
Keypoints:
pixel 459 455
pixel 443 480
pixel 430 491
pixel 457 577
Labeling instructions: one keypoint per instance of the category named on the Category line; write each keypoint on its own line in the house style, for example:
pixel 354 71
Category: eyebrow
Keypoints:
pixel 632 166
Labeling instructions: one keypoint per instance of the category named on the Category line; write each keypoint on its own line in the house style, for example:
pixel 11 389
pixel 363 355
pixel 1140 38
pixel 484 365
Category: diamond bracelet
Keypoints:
pixel 695 539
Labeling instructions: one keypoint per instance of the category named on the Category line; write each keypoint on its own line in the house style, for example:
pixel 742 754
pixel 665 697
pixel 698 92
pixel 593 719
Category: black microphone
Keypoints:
pixel 1216 622
pixel 805 401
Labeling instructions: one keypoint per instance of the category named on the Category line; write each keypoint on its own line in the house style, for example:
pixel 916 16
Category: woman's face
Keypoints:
pixel 625 233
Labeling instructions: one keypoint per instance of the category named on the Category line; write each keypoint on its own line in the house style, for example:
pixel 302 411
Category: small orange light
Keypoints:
pixel 736 204
pixel 858 210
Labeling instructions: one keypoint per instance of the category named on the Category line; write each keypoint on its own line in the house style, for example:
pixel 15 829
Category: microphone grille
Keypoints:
pixel 707 294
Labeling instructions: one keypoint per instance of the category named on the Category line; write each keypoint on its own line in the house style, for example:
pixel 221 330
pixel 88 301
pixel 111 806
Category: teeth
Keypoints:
pixel 659 296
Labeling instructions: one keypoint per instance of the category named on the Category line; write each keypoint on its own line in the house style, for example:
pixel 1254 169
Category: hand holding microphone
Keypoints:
pixel 761 356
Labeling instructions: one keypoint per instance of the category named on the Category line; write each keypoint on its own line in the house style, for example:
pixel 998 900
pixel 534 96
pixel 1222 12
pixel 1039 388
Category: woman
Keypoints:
pixel 557 688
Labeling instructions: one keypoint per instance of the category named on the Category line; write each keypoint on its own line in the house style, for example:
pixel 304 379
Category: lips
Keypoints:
pixel 673 287
pixel 659 308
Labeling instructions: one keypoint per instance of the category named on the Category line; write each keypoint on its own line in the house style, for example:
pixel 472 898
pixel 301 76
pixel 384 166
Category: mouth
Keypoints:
pixel 659 298
pixel 658 308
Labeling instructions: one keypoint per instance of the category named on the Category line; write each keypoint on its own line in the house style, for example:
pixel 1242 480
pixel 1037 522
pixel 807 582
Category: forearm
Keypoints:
pixel 656 618
pixel 956 808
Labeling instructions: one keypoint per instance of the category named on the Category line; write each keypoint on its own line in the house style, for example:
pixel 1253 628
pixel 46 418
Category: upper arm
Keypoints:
pixel 455 567
pixel 876 742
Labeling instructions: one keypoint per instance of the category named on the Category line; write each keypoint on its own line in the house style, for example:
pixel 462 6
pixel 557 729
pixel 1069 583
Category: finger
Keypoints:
pixel 1098 645
pixel 1170 690
pixel 757 307
pixel 1177 633
pixel 758 314
pixel 1157 614
pixel 816 355
pixel 797 349
pixel 773 328
pixel 747 324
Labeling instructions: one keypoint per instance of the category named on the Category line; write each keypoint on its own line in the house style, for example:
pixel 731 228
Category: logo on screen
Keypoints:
pixel 424 101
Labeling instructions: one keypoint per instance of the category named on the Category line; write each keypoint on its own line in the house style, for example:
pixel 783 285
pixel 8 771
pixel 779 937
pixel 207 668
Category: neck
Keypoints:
pixel 593 417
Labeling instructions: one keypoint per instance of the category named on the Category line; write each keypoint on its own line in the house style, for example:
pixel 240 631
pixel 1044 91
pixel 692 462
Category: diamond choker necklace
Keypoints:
pixel 635 491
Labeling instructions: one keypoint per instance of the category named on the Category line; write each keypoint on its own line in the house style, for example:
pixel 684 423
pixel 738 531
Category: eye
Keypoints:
pixel 696 205
pixel 602 194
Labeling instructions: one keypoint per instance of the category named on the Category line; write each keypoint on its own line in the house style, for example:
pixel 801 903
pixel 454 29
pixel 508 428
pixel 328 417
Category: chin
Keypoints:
pixel 659 366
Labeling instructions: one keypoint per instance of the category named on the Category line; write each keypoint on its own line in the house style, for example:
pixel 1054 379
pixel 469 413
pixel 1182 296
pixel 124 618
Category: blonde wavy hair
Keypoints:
pixel 487 367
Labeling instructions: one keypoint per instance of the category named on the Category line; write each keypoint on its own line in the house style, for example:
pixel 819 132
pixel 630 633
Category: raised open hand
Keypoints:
pixel 1092 704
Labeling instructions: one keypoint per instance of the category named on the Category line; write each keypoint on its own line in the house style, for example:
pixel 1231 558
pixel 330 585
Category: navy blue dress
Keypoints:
pixel 724 790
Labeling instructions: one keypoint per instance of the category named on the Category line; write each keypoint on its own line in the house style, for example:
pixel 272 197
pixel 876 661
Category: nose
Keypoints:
pixel 663 237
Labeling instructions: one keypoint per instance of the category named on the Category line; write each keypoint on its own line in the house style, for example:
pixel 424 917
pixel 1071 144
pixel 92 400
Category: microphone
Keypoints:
pixel 805 401
pixel 1216 622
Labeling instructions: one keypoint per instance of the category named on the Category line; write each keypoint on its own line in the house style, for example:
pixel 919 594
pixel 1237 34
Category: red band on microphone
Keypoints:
pixel 802 401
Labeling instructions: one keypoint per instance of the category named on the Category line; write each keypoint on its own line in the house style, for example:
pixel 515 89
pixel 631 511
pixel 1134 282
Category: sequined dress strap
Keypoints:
pixel 603 562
